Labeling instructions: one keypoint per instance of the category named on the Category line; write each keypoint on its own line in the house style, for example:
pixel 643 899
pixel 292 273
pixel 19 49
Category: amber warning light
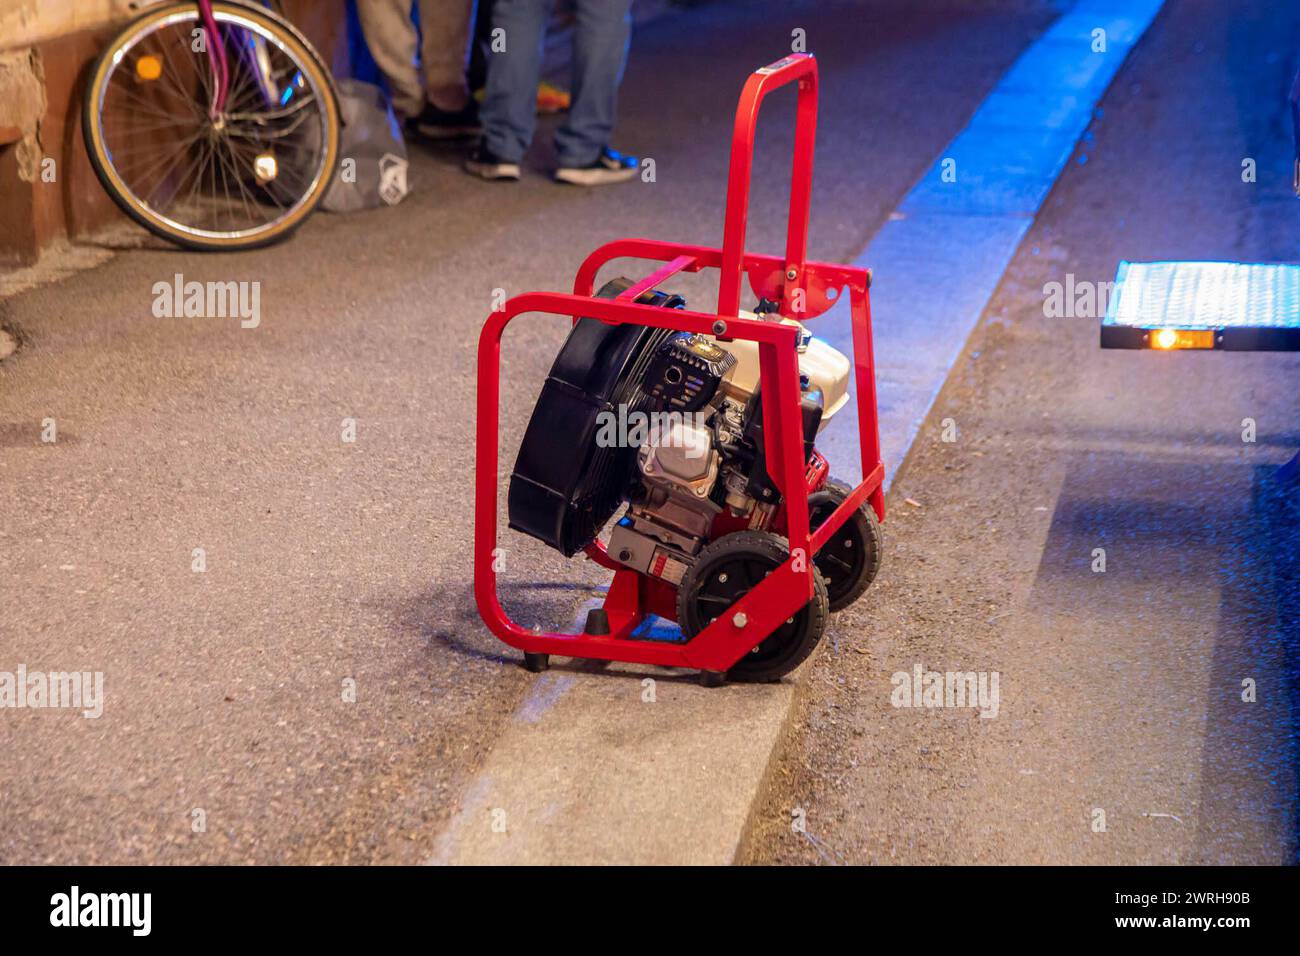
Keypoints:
pixel 1167 339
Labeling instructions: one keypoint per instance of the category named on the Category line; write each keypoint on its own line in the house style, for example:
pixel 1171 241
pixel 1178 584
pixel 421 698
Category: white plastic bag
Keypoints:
pixel 372 153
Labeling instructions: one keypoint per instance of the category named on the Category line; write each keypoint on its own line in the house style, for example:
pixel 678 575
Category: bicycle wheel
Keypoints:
pixel 205 171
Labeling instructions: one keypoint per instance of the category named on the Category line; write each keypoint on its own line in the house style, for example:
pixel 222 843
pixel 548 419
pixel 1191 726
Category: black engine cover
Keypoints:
pixel 685 372
pixel 565 486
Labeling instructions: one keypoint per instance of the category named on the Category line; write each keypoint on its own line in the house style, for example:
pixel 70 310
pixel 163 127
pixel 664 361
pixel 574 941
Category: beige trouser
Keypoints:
pixel 390 33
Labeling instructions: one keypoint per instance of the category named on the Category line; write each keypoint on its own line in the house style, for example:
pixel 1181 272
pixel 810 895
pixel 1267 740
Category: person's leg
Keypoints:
pixel 448 112
pixel 599 55
pixel 390 34
pixel 445 51
pixel 509 111
pixel 482 38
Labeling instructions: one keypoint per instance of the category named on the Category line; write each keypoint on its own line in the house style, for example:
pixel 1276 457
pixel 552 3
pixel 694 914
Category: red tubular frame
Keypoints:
pixel 791 280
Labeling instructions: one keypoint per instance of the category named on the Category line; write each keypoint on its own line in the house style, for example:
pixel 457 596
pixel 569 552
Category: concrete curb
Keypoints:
pixel 590 758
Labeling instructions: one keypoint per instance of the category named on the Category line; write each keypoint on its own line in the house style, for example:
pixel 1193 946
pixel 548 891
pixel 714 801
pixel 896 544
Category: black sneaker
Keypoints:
pixel 433 123
pixel 485 164
pixel 608 167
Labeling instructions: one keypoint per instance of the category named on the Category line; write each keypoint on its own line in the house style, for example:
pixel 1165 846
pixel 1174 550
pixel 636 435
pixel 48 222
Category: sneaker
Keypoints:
pixel 551 99
pixel 608 167
pixel 484 164
pixel 433 123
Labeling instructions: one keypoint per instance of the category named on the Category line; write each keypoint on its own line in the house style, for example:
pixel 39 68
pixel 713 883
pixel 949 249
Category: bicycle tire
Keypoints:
pixel 289 41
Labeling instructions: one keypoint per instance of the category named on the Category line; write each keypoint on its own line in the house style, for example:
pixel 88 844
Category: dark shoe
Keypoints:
pixel 608 167
pixel 485 164
pixel 434 123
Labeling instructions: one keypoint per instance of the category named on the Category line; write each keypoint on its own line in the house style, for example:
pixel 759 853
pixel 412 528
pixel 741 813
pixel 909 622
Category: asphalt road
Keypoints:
pixel 1122 734
pixel 329 561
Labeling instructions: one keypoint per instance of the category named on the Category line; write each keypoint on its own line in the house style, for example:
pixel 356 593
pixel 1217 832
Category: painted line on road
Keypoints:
pixel 601 774
pixel 937 262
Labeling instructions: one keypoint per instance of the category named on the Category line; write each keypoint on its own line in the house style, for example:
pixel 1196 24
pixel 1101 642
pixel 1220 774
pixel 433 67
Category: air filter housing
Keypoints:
pixel 565 486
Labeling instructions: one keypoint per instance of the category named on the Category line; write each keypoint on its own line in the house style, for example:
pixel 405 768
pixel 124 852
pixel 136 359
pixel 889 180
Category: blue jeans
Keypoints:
pixel 509 112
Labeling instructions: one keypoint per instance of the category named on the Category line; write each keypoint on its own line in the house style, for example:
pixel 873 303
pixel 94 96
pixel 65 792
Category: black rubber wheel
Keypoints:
pixel 712 678
pixel 723 573
pixel 537 662
pixel 850 559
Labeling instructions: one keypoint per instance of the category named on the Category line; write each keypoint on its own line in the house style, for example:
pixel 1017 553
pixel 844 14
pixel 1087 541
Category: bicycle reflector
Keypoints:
pixel 148 67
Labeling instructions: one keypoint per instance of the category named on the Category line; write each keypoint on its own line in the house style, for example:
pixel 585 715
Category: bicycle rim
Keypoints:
pixel 238 178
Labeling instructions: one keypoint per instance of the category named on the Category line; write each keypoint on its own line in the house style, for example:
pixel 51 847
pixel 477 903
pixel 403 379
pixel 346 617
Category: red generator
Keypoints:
pixel 701 427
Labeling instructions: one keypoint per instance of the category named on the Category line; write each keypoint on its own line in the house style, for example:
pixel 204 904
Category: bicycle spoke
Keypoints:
pixel 249 201
pixel 202 166
pixel 180 183
pixel 246 85
pixel 228 165
pixel 225 192
pixel 201 65
pixel 160 165
pixel 135 131
pixel 144 105
pixel 172 72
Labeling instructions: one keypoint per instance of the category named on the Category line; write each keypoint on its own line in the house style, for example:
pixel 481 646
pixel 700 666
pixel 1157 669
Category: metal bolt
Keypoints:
pixel 719 327
pixel 791 274
pixel 740 620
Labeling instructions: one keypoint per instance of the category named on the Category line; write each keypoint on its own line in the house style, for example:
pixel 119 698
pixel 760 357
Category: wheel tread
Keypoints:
pixel 776 549
pixel 868 527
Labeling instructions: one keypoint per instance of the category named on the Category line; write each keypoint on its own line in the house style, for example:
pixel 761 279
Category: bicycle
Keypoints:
pixel 214 124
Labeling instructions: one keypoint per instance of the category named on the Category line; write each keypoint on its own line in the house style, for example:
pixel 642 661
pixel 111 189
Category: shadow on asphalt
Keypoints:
pixel 448 618
pixel 1277 511
pixel 1258 643
pixel 1178 536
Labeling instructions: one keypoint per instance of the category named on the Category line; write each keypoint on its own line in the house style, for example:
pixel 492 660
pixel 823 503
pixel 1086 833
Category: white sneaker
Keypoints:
pixel 608 167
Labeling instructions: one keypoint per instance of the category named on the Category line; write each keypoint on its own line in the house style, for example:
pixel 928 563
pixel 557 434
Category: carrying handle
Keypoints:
pixel 800 68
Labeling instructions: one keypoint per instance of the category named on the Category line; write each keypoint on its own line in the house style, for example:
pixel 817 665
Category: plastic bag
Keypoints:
pixel 372 153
